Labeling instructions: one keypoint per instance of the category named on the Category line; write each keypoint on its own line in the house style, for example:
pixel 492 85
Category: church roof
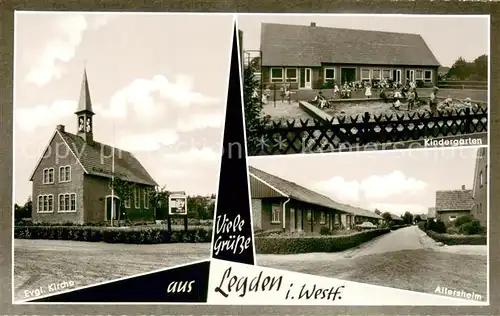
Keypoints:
pixel 97 159
pixel 84 103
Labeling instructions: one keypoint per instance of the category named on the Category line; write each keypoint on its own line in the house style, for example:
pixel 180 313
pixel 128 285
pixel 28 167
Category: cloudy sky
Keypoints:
pixel 160 80
pixel 395 180
pixel 449 37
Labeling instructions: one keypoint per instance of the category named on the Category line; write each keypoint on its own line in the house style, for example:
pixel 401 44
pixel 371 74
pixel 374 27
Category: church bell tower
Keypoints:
pixel 84 112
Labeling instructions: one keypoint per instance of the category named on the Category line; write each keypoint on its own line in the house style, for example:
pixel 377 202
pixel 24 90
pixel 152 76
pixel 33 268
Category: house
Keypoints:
pixel 443 71
pixel 72 179
pixel 284 205
pixel 480 187
pixel 452 204
pixel 397 219
pixel 308 57
pixel 361 215
pixel 431 214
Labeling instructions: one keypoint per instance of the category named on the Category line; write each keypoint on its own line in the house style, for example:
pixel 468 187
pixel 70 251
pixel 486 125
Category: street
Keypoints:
pixel 40 263
pixel 406 259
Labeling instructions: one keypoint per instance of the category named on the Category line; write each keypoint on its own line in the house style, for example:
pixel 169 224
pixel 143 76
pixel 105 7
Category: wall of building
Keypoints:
pixel 480 209
pixel 446 216
pixel 296 216
pixel 318 79
pixel 95 191
pixel 257 213
pixel 361 219
pixel 57 155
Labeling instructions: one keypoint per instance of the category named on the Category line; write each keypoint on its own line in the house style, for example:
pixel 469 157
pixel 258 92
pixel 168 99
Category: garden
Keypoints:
pixel 465 230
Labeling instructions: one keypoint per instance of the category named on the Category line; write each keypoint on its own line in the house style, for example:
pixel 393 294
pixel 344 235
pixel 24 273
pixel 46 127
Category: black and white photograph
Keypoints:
pixel 350 82
pixel 408 219
pixel 118 120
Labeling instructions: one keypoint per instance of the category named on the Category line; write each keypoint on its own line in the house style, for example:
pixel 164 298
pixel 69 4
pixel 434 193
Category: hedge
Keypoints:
pixel 267 233
pixel 113 234
pixel 458 239
pixel 395 227
pixel 304 244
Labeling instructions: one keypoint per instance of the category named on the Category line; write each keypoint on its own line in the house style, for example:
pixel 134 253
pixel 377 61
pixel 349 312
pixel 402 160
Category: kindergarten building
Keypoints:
pixel 310 56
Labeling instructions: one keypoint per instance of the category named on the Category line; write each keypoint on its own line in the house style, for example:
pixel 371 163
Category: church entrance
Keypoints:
pixel 109 207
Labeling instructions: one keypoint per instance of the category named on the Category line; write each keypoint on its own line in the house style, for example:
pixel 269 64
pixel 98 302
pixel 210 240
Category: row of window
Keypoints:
pixel 139 194
pixel 64 175
pixel 67 203
pixel 276 216
pixel 412 74
pixel 479 208
pixel 278 74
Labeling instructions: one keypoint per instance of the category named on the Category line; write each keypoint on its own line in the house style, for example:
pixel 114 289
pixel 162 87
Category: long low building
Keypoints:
pixel 281 204
pixel 310 56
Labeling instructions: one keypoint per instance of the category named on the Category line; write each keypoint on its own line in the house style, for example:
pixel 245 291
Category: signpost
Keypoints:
pixel 177 206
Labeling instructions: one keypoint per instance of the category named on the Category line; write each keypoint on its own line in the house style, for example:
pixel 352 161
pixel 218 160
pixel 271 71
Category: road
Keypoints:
pixel 38 263
pixel 405 258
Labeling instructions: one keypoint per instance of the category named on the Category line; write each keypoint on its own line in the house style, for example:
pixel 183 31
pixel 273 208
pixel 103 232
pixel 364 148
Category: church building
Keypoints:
pixel 72 181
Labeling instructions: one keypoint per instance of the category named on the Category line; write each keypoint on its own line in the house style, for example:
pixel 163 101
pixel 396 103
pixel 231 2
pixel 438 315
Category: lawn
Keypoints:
pixel 42 262
pixel 416 270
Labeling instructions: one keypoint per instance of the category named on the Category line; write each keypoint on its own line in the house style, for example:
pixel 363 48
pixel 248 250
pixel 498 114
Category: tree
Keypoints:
pixel 377 212
pixel 254 64
pixel 200 207
pixel 123 190
pixel 24 211
pixel 481 67
pixel 407 218
pixel 387 218
pixel 476 70
pixel 254 119
pixel 418 218
pixel 460 69
pixel 158 198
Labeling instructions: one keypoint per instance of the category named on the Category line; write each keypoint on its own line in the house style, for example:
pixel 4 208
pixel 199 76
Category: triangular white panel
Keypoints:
pixel 240 284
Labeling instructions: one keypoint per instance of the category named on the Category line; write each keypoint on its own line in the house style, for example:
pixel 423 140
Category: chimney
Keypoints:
pixel 60 128
pixel 313 24
pixel 463 187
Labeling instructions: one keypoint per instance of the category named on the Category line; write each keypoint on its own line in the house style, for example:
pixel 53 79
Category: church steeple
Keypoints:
pixel 84 111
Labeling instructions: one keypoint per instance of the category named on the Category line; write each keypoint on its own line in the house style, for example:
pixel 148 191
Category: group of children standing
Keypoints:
pixel 285 94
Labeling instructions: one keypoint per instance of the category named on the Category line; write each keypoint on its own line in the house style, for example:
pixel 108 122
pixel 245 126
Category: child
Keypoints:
pixel 336 90
pixel 397 104
pixel 433 100
pixel 383 95
pixel 397 95
pixel 467 102
pixel 266 94
pixel 320 100
pixel 288 95
pixel 368 91
pixel 411 99
pixel 282 92
pixel 448 101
